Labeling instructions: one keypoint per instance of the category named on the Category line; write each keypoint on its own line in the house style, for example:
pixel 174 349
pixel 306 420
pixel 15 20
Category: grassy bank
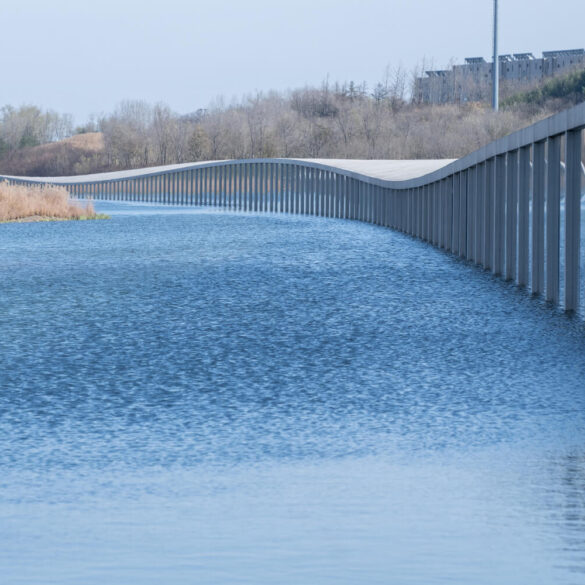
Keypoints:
pixel 42 203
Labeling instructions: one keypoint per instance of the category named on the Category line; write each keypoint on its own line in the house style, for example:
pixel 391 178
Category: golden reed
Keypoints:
pixel 21 202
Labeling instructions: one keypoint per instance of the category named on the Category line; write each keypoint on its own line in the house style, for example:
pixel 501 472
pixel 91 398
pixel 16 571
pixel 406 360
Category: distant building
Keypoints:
pixel 472 81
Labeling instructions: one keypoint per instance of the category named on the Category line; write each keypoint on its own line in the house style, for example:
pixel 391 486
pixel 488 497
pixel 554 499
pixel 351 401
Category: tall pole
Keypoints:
pixel 496 65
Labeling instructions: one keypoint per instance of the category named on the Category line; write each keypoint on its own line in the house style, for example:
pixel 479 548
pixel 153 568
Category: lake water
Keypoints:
pixel 190 396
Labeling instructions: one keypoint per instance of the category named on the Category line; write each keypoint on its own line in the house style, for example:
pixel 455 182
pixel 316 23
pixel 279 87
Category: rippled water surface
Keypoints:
pixel 204 397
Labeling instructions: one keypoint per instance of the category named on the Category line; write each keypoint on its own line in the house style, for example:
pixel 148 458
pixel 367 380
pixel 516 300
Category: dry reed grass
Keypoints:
pixel 18 202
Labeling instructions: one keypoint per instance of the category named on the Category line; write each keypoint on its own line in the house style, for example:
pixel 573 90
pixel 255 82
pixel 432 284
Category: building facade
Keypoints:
pixel 472 81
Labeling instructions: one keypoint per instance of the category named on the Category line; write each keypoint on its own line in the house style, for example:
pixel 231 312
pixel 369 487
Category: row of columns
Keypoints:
pixel 266 187
pixel 503 213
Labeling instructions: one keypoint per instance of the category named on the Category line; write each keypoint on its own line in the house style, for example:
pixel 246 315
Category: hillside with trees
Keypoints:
pixel 331 121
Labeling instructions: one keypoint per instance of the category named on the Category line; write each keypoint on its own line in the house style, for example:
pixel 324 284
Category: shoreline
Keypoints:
pixel 40 218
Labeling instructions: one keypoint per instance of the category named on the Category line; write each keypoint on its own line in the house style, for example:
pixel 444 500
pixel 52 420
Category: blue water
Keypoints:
pixel 192 396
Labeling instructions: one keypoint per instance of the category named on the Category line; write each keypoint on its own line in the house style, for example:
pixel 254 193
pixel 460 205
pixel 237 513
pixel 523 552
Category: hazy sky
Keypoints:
pixel 84 57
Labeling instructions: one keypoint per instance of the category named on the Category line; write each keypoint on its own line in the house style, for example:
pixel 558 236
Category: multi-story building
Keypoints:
pixel 473 80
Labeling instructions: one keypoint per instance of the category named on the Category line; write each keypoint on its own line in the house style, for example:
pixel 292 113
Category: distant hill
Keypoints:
pixel 79 154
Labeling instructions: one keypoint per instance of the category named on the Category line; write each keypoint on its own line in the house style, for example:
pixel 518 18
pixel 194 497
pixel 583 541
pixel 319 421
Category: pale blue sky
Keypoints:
pixel 84 58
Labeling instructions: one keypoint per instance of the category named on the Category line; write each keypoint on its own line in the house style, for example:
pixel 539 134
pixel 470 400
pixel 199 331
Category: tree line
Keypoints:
pixel 331 121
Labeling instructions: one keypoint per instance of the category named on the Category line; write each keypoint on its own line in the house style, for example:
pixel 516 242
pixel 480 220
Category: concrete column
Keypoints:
pixel 405 209
pixel 261 191
pixel 418 211
pixel 318 193
pixel 573 219
pixel 538 219
pixel 246 186
pixel 296 187
pixel 553 219
pixel 342 197
pixel 232 187
pixel 323 193
pixel 222 185
pixel 511 214
pixel 383 215
pixel 267 187
pixel 500 216
pixel 434 209
pixel 448 234
pixel 288 190
pixel 455 223
pixel 256 185
pixel 411 218
pixel 302 189
pixel 336 195
pixel 360 200
pixel 438 213
pixel 463 214
pixel 365 190
pixel 350 197
pixel 442 214
pixel 489 198
pixel 216 186
pixel 331 192
pixel 471 201
pixel 523 216
pixel 295 190
pixel 270 187
pixel 356 201
pixel 427 213
pixel 277 186
pixel 253 202
pixel 190 187
pixel 226 186
pixel 349 188
pixel 283 188
pixel 201 186
pixel 480 215
pixel 380 195
pixel 243 186
pixel 310 190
